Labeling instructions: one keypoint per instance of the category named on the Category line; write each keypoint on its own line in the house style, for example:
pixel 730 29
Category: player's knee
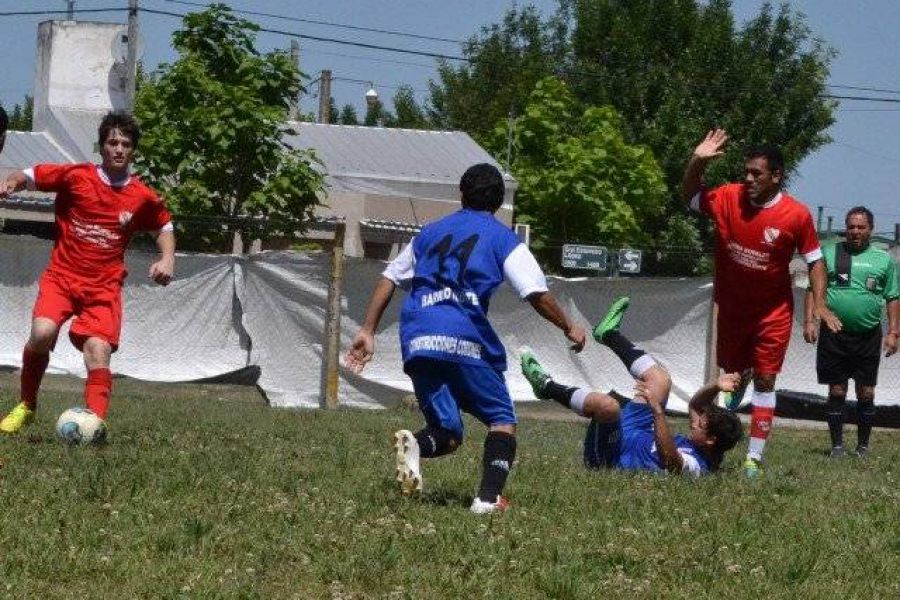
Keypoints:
pixel 43 335
pixel 602 407
pixel 96 352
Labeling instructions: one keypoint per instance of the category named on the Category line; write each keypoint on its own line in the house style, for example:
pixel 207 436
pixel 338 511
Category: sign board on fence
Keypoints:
pixel 629 260
pixel 576 256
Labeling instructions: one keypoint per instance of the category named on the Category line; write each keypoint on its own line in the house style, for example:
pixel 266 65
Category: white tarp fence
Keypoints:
pixel 223 314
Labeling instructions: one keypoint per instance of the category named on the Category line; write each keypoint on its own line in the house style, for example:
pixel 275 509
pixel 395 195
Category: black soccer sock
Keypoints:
pixel 865 417
pixel 627 352
pixel 560 393
pixel 435 442
pixel 834 414
pixel 499 454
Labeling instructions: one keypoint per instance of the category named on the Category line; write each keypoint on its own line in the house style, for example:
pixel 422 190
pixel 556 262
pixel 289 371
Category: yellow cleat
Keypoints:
pixel 18 417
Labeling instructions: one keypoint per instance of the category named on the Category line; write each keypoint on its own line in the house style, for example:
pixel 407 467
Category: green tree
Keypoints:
pixel 348 115
pixel 214 127
pixel 407 111
pixel 579 180
pixel 377 115
pixel 506 61
pixel 20 117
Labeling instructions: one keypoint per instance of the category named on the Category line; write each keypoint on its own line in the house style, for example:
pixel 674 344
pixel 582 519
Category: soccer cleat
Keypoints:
pixel 18 417
pixel 862 451
pixel 751 468
pixel 482 507
pixel 534 372
pixel 408 474
pixel 735 400
pixel 837 452
pixel 611 320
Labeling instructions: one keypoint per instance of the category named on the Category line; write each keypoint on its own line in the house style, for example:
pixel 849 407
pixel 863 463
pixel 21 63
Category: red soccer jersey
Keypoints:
pixel 754 247
pixel 95 220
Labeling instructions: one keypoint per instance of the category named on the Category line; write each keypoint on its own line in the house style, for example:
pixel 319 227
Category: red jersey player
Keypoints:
pixel 758 229
pixel 98 208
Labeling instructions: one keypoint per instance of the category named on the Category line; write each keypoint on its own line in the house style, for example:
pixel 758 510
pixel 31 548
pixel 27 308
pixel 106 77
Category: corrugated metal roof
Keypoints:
pixel 24 149
pixel 387 153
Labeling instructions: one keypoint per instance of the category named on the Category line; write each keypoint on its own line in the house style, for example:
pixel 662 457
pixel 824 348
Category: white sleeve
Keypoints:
pixel 167 227
pixel 401 269
pixel 690 464
pixel 523 272
pixel 29 177
pixel 695 202
pixel 813 255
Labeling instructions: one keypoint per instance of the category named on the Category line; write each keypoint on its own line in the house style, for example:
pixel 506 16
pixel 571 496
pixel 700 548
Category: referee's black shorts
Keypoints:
pixel 844 355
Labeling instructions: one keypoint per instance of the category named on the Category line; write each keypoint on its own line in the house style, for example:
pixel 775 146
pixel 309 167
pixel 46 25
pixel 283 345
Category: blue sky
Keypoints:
pixel 860 167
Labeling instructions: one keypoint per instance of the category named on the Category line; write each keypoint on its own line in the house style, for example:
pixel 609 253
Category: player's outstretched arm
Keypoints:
pixel 706 396
pixel 662 435
pixel 362 348
pixel 547 306
pixel 163 269
pixel 13 183
pixel 712 146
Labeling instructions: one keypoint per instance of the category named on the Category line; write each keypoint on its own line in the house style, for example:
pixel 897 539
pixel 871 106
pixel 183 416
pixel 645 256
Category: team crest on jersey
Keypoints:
pixel 770 234
pixel 125 218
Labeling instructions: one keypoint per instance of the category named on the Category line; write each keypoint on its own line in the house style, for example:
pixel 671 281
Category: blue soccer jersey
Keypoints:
pixel 629 444
pixel 457 264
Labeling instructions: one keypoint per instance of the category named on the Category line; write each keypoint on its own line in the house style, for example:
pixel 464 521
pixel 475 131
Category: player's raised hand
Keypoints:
pixel 360 352
pixel 577 336
pixel 712 146
pixel 729 382
pixel 162 271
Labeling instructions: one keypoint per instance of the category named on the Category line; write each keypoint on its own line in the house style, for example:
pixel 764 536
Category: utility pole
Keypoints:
pixel 325 97
pixel 896 234
pixel 328 389
pixel 70 10
pixel 294 110
pixel 820 213
pixel 131 56
pixel 830 223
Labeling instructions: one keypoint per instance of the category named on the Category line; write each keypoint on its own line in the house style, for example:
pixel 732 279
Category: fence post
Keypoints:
pixel 328 395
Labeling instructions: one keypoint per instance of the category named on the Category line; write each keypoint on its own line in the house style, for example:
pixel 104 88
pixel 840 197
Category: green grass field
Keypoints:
pixel 207 494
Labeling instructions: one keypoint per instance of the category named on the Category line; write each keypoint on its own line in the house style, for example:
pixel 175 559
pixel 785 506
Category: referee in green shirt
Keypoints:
pixel 861 280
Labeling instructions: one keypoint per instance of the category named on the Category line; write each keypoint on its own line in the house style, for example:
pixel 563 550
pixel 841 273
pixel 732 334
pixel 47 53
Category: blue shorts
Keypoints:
pixel 606 443
pixel 444 388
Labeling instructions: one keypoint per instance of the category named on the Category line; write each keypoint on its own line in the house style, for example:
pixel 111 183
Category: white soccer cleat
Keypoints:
pixel 481 507
pixel 409 475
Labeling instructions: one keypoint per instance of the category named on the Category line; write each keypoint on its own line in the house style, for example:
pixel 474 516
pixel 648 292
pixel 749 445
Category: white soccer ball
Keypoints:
pixel 80 426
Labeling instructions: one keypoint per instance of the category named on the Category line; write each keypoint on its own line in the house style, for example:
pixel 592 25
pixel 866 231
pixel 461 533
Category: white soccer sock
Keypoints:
pixel 577 401
pixel 641 366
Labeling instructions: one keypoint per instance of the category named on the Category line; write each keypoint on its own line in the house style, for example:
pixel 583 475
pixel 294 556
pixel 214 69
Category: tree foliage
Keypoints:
pixel 579 180
pixel 214 126
pixel 21 115
pixel 407 112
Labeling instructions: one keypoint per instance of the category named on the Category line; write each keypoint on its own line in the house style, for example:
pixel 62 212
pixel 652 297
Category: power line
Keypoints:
pixel 326 23
pixel 330 40
pixel 21 13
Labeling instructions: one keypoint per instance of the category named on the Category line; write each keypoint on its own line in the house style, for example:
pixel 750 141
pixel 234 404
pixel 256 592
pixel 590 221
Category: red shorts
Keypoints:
pixel 97 307
pixel 759 342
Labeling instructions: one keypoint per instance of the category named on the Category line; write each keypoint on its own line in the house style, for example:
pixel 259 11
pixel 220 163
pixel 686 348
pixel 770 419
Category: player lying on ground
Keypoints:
pixel 98 209
pixel 450 351
pixel 628 433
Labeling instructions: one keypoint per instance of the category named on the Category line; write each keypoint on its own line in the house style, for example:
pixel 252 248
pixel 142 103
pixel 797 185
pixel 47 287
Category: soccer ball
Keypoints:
pixel 81 426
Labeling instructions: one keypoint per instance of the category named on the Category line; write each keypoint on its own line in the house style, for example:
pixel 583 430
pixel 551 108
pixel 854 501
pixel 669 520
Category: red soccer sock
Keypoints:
pixel 760 427
pixel 96 391
pixel 33 366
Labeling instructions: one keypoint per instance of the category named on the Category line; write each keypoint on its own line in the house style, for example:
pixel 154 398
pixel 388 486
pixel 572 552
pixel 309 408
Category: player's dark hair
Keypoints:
pixel 4 121
pixel 482 187
pixel 861 210
pixel 726 428
pixel 772 154
pixel 124 122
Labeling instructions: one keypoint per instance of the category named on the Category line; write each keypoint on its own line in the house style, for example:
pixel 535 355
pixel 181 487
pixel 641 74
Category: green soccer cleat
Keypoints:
pixel 751 468
pixel 534 372
pixel 18 417
pixel 613 317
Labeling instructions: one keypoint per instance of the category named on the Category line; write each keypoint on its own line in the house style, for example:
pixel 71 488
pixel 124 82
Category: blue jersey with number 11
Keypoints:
pixel 458 265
